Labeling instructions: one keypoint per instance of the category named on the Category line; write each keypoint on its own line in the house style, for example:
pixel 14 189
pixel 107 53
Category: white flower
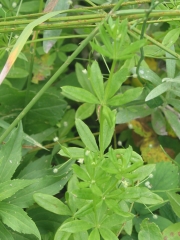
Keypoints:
pixel 55 139
pixel 81 160
pixel 119 143
pixel 155 216
pixel 147 183
pixel 65 124
pixel 130 126
pixel 14 4
pixel 55 170
pixel 84 71
pixel 87 152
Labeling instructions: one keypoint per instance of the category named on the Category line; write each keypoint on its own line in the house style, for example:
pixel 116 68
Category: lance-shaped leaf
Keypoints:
pixel 79 94
pixel 5 233
pixel 17 219
pixel 175 202
pixel 160 89
pixel 173 120
pixel 7 189
pixel 86 135
pixel 10 154
pixel 126 97
pixel 21 41
pixel 51 204
pixel 96 80
pixel 76 226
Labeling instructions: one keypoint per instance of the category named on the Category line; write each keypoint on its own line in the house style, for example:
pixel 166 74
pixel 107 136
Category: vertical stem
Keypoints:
pixel 32 56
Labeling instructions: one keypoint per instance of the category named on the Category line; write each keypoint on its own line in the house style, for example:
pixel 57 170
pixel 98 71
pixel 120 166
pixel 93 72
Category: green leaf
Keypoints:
pixel 127 114
pixel 8 188
pixel 81 173
pixel 170 64
pixel 160 89
pixel 175 202
pixel 82 77
pixel 72 152
pixel 86 135
pixel 76 226
pixel 149 75
pixel 96 80
pixel 79 94
pixel 15 218
pixel 94 235
pixel 85 111
pixel 143 172
pixel 149 231
pixel 141 195
pixel 107 234
pixel 16 72
pixel 158 122
pixel 62 235
pixel 51 184
pixel 126 97
pixel 117 80
pixel 165 177
pixel 172 232
pixel 5 233
pixel 51 204
pixel 109 115
pixel 52 6
pixel 171 37
pixel 173 120
pixel 10 154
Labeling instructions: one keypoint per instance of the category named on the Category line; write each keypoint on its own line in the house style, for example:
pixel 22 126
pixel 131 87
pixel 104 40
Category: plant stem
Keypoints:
pixel 56 75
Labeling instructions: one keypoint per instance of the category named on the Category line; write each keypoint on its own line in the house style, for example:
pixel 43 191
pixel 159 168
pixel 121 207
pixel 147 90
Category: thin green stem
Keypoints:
pixel 32 56
pixel 56 75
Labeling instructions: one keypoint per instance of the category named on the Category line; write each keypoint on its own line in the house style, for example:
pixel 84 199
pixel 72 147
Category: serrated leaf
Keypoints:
pixel 175 202
pixel 126 97
pixel 8 188
pixel 76 226
pixel 157 91
pixel 86 135
pixel 51 204
pixel 149 231
pixel 10 154
pixel 15 218
pixel 5 233
pixel 79 94
pixel 165 177
pixel 96 80
pixel 51 184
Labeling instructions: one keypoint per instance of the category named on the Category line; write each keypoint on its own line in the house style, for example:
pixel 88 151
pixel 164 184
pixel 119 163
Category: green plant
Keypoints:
pixel 111 192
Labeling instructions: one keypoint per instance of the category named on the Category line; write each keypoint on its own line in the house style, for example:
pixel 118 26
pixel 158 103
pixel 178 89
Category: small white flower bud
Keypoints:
pixel 81 160
pixel 87 152
pixel 130 126
pixel 151 175
pixel 55 139
pixel 55 170
pixel 84 71
pixel 155 216
pixel 14 4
